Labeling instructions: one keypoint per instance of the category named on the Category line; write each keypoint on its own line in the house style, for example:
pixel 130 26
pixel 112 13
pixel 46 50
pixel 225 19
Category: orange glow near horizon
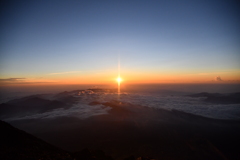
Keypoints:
pixel 130 77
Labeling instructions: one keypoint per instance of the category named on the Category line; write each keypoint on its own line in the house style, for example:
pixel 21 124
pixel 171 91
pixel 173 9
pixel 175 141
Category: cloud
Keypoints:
pixel 69 72
pixel 11 79
pixel 64 72
pixel 218 78
pixel 209 73
pixel 21 81
pixel 80 110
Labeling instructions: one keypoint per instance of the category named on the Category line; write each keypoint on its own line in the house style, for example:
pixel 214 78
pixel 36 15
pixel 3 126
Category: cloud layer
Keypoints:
pixel 82 109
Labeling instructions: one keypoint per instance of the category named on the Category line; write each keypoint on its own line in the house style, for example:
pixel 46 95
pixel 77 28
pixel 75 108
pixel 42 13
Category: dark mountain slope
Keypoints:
pixel 17 144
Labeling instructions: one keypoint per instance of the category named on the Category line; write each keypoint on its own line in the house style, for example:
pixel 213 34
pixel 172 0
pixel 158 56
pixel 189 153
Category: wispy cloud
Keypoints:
pixel 209 73
pixel 12 79
pixel 21 81
pixel 69 72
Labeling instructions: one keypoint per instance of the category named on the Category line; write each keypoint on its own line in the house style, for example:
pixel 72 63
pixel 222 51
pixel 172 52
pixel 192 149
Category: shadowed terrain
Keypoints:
pixel 17 144
pixel 130 131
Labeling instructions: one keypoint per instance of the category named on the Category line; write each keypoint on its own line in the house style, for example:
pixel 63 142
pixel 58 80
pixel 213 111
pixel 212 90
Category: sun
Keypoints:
pixel 119 79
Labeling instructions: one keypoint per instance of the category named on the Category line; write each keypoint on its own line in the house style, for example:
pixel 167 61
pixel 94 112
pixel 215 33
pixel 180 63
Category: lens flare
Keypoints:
pixel 119 79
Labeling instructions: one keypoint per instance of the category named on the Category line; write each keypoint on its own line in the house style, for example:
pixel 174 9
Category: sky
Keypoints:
pixel 82 42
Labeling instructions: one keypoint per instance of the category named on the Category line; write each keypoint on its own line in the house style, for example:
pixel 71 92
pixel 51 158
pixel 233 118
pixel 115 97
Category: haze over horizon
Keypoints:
pixel 81 42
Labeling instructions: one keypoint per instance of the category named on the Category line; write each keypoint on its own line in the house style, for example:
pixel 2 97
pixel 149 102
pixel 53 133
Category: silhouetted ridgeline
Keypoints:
pixel 17 144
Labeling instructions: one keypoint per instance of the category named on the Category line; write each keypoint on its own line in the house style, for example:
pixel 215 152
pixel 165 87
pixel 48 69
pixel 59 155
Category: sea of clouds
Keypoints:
pixel 82 109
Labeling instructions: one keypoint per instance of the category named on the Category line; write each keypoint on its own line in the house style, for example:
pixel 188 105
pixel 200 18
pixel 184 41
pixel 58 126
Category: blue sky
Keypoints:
pixel 43 37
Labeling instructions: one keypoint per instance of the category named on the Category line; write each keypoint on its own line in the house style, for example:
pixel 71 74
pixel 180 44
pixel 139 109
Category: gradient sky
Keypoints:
pixel 155 41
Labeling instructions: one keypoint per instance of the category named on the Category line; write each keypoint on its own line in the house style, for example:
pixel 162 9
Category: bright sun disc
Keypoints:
pixel 119 79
